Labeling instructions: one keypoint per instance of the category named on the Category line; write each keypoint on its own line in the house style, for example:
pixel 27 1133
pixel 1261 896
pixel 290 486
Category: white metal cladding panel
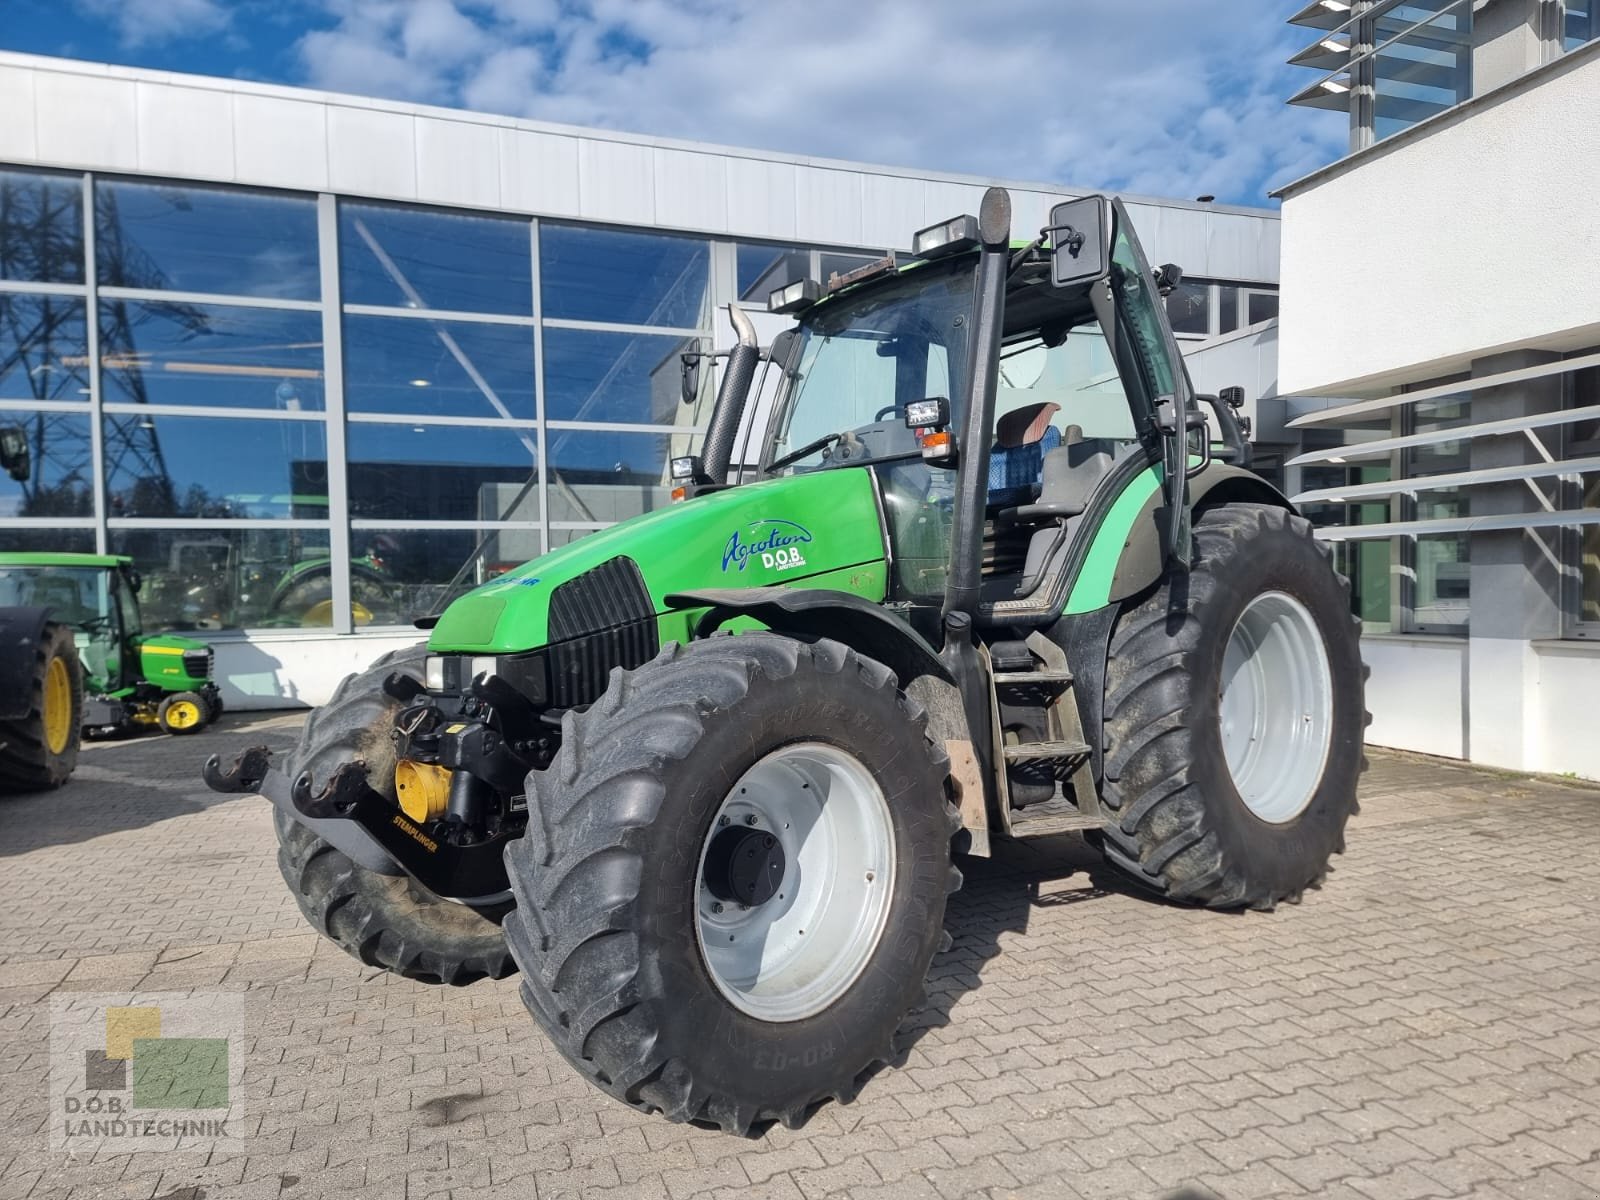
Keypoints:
pixel 828 205
pixel 280 139
pixel 892 209
pixel 86 121
pixel 1208 245
pixel 185 131
pixel 761 198
pixel 539 172
pixel 372 153
pixel 17 139
pixel 691 190
pixel 1417 694
pixel 1472 234
pixel 458 163
pixel 616 182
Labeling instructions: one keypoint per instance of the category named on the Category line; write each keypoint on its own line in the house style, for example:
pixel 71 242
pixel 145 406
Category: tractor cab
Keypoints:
pixel 131 679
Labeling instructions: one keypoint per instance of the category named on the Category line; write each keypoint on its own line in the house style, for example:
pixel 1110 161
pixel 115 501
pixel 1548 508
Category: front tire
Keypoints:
pixel 616 880
pixel 1234 717
pixel 39 751
pixel 387 921
pixel 183 713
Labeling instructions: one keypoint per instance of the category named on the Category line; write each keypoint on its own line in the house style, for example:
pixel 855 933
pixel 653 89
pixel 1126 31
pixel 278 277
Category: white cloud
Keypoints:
pixel 1171 97
pixel 151 22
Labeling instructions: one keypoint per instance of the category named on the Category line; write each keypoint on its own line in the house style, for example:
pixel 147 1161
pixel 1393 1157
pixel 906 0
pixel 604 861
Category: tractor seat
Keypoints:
pixel 1022 438
pixel 1069 475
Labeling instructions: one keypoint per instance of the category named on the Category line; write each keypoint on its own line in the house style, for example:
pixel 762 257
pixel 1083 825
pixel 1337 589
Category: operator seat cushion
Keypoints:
pixel 1022 437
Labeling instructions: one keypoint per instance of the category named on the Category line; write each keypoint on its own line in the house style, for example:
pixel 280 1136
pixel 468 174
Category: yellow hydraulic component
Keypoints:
pixel 423 789
pixel 57 706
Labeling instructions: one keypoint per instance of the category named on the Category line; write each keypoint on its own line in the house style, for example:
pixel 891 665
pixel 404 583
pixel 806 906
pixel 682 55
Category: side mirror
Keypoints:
pixel 689 390
pixel 135 581
pixel 1077 232
pixel 1168 277
pixel 14 454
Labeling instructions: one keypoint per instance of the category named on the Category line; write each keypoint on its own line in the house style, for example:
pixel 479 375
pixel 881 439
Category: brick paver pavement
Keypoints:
pixel 1427 1024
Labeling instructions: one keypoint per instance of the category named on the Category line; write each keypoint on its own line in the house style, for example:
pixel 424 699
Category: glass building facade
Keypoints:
pixel 296 410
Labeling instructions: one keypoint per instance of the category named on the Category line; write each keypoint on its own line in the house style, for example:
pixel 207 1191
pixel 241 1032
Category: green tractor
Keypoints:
pixel 703 777
pixel 133 680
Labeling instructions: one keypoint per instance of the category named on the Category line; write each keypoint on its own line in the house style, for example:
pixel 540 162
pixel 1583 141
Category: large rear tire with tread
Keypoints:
pixel 39 751
pixel 610 879
pixel 387 921
pixel 1242 817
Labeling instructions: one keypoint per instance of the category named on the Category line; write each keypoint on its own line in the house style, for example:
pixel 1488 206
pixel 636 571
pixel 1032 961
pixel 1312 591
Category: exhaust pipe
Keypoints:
pixel 740 372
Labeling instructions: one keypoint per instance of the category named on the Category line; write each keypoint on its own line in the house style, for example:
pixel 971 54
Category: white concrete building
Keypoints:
pixel 1440 355
pixel 318 362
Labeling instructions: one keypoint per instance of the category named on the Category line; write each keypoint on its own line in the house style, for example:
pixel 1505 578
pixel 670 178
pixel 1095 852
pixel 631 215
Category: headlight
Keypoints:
pixel 433 673
pixel 483 664
pixel 947 237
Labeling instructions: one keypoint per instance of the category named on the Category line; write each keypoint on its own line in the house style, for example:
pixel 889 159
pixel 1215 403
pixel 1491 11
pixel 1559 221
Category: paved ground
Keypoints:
pixel 1428 1024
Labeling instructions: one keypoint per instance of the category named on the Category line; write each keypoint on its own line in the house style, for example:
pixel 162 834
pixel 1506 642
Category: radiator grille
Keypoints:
pixel 198 664
pixel 600 620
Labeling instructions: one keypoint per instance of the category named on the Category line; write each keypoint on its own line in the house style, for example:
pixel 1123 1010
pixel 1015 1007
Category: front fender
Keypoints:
pixel 821 613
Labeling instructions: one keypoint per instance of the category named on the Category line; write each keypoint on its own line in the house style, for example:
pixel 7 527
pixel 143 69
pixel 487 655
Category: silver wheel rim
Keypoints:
pixel 1276 707
pixel 794 955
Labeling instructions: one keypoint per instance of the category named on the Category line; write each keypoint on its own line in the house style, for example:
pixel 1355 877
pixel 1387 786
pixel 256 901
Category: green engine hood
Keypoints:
pixel 816 530
pixel 161 661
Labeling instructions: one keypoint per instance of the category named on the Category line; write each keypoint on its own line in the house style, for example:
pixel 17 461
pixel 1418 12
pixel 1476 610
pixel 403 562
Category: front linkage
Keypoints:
pixel 460 779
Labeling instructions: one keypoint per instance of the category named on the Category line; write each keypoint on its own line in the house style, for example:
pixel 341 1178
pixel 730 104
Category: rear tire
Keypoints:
pixel 387 921
pixel 610 879
pixel 39 751
pixel 1248 817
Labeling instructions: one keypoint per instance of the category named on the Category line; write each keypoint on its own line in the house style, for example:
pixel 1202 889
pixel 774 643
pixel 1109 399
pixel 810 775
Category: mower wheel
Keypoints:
pixel 388 921
pixel 40 750
pixel 734 879
pixel 1234 717
pixel 183 713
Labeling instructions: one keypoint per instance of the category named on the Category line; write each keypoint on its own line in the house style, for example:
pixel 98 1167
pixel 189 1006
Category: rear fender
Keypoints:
pixel 812 613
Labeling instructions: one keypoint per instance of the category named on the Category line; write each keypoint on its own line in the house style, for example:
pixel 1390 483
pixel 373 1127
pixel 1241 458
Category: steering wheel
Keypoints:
pixel 884 412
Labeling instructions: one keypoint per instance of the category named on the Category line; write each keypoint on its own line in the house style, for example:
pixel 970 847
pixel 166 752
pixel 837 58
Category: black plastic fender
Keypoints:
pixel 811 613
pixel 1141 564
pixel 20 631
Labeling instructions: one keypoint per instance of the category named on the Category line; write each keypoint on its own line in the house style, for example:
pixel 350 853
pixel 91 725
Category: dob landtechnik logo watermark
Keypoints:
pixel 143 1071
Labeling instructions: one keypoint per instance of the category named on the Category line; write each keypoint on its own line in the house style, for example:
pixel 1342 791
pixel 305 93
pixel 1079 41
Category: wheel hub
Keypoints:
pixel 744 866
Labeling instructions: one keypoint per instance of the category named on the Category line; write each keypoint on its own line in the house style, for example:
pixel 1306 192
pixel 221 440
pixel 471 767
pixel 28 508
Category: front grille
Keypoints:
pixel 197 664
pixel 605 597
pixel 599 620
pixel 580 668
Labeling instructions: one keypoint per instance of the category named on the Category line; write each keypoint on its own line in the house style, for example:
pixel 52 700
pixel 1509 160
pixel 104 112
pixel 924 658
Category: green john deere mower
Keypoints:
pixel 132 680
pixel 702 777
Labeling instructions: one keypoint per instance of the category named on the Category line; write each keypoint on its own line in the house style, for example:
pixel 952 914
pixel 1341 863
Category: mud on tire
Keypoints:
pixel 387 921
pixel 1178 823
pixel 605 928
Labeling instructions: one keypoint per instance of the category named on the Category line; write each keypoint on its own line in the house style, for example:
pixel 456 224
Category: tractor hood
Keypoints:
pixel 174 663
pixel 819 530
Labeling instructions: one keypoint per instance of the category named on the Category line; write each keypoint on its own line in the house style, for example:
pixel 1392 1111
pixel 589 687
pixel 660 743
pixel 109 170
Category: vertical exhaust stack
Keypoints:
pixel 740 372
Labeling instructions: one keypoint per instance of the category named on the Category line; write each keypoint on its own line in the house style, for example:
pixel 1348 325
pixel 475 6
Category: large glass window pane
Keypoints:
pixel 1369 564
pixel 765 269
pixel 1425 71
pixel 630 378
pixel 1263 306
pixel 30 539
pixel 442 472
pixel 629 278
pixel 222 578
pixel 165 466
pixel 424 569
pixel 422 258
pixel 1189 307
pixel 59 477
pixel 1227 308
pixel 1589 557
pixel 597 475
pixel 201 239
pixel 44 348
pixel 166 353
pixel 41 227
pixel 446 368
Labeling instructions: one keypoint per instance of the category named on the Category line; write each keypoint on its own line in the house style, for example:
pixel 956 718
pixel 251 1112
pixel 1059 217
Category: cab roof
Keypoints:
pixel 23 558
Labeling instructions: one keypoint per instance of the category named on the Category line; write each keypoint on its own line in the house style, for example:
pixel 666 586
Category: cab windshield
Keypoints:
pixel 862 359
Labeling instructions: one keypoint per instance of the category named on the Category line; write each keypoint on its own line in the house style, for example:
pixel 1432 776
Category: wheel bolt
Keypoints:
pixel 750 820
pixel 716 906
pixel 721 821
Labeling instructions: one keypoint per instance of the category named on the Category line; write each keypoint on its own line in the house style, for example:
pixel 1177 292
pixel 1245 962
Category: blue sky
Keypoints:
pixel 1164 97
